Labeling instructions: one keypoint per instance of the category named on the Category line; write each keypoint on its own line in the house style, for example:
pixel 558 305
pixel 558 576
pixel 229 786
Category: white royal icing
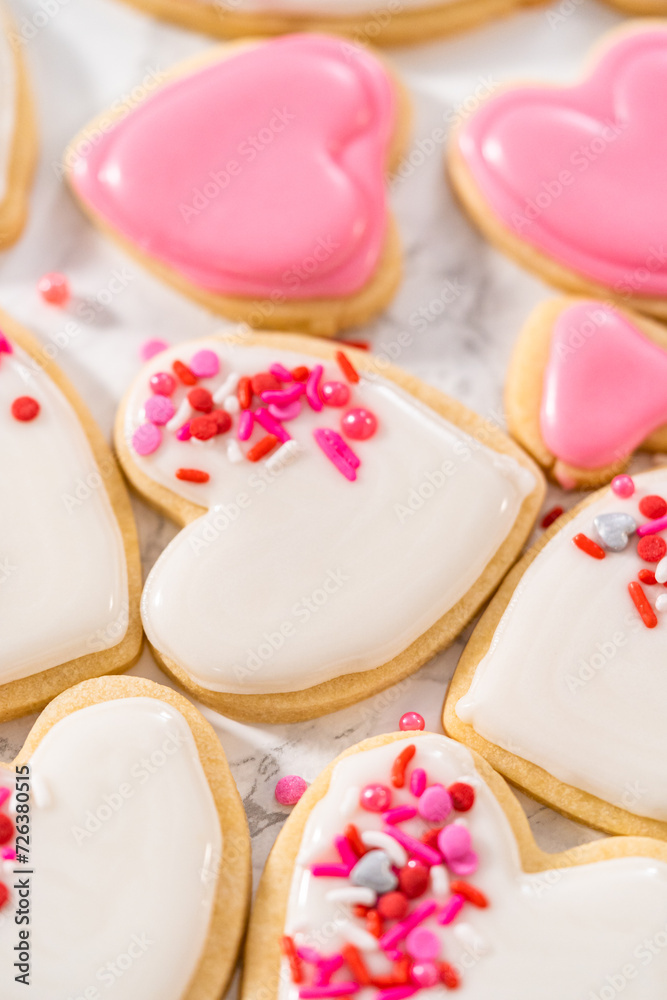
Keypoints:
pixel 298 576
pixel 63 574
pixel 574 681
pixel 7 107
pixel 123 856
pixel 575 933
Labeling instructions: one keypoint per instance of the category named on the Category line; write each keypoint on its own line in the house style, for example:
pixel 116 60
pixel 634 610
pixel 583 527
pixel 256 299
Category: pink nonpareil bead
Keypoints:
pixel 422 944
pixel 375 798
pixel 411 722
pixel 290 412
pixel 425 974
pixel 454 841
pixel 54 288
pixel 623 486
pixel 359 424
pixel 204 364
pixel 435 804
pixel 159 410
pixel 335 393
pixel 290 789
pixel 418 781
pixel 146 439
pixel 467 865
pixel 183 433
pixel 162 383
pixel 150 348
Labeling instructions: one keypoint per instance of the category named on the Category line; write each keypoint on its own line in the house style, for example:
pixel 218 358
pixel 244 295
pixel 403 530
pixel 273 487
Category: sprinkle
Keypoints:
pixel 661 602
pixel 244 392
pixel 413 878
pixel 376 838
pixel 653 507
pixel 358 936
pixel 246 424
pixel 374 923
pixel 284 397
pixel 150 348
pixel 623 486
pixel 400 764
pixel 146 439
pixel 361 345
pixel 588 546
pixel 285 455
pixel 418 781
pixel 359 424
pixel 551 516
pixel 471 893
pixel 335 393
pixel 660 571
pixel 272 426
pixel 411 722
pixel 234 453
pixel 397 993
pixel 451 909
pixel 192 475
pixel 375 798
pixel 200 399
pixel 204 427
pixel 300 373
pixel 640 600
pixel 648 577
pixel 4 894
pixel 5 794
pixel 25 408
pixel 463 796
pixel 449 975
pixel 228 388
pixel 205 364
pixel 346 366
pixel 393 905
pixel 422 944
pixel 347 855
pixel 162 383
pixel 159 409
pixel 454 842
pixel 435 804
pixel 6 829
pixel 651 527
pixel 279 371
pixel 8 854
pixel 289 951
pixel 231 405
pixel 326 968
pixel 331 990
pixel 354 895
pixel 356 964
pixel 5 346
pixel 183 373
pixel 399 814
pixel 54 288
pixel 338 452
pixel 652 548
pixel 414 846
pixel 439 877
pixel 356 843
pixel 312 388
pixel 290 789
pixel 420 913
pixel 282 413
pixel 183 433
pixel 330 871
pixel 183 413
pixel 262 448
pixel 263 382
pixel 223 421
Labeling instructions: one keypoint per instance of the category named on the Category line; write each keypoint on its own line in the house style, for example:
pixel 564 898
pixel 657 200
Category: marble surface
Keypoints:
pixel 473 301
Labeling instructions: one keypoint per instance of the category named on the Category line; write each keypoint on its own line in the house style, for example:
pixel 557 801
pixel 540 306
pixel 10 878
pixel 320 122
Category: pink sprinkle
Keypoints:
pixel 335 393
pixel 397 993
pixel 312 388
pixel 246 424
pixel 326 968
pixel 281 373
pixel 183 433
pixel 399 814
pixel 413 846
pixel 623 486
pixel 162 383
pixel 263 417
pixel 290 412
pixel 5 346
pixel 283 397
pixel 204 364
pixel 418 781
pixel 466 865
pixel 651 527
pixel 146 439
pixel 150 348
pixel 332 990
pixel 454 842
pixel 422 944
pixel 330 871
pixel 5 793
pixel 347 855
pixel 54 288
pixel 403 928
pixel 435 804
pixel 159 409
pixel 451 909
pixel 338 452
pixel 8 854
pixel 309 955
pixel 290 789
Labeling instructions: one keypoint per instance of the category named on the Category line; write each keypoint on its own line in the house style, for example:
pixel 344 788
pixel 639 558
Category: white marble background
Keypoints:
pixel 92 52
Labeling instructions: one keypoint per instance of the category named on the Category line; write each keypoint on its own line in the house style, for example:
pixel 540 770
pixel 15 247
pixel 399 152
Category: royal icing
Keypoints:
pixel 298 572
pixel 573 679
pixel 125 845
pixel 63 571
pixel 605 387
pixel 556 933
pixel 7 109
pixel 550 163
pixel 261 174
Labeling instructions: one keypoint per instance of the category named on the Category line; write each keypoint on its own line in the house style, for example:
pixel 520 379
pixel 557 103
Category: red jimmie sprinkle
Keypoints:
pixel 25 408
pixel 640 600
pixel 400 764
pixel 184 374
pixel 471 893
pixel 356 964
pixel 551 516
pixel 262 448
pixel 6 829
pixel 653 507
pixel 463 796
pixel 374 923
pixel 360 910
pixel 401 974
pixel 346 366
pixel 647 577
pixel 449 975
pixel 4 894
pixel 588 546
pixel 651 548
pixel 200 399
pixel 430 838
pixel 288 949
pixel 354 837
pixel 300 373
pixel 244 392
pixel 192 475
pixel 361 345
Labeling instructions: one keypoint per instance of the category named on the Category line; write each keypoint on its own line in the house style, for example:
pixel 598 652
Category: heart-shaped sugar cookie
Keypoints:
pixel 132 866
pixel 521 924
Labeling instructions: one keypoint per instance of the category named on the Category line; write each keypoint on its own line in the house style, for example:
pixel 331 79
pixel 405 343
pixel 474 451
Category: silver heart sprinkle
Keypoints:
pixel 614 529
pixel 373 871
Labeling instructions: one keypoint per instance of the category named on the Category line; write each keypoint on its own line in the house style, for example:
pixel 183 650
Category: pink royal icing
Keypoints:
pixel 605 387
pixel 578 172
pixel 260 174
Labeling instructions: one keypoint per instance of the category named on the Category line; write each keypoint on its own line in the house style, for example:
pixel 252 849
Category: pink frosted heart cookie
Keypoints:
pixel 324 925
pixel 568 180
pixel 254 181
pixel 586 387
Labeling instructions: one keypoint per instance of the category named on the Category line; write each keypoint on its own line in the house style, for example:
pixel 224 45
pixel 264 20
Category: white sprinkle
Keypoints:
pixel 350 801
pixel 40 793
pixel 234 453
pixel 661 603
pixel 661 570
pixel 356 935
pixel 284 456
pixel 470 939
pixel 439 880
pixel 183 413
pixel 231 405
pixel 229 386
pixel 377 838
pixel 353 894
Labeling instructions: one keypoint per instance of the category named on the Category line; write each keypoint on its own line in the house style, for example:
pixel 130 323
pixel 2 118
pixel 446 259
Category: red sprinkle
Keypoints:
pixel 430 838
pixel 192 475
pixel 183 372
pixel 262 448
pixel 653 507
pixel 265 382
pixel 346 366
pixel 402 970
pixel 400 764
pixel 360 910
pixel 289 951
pixel 204 428
pixel 471 893
pixel 463 796
pixel 223 421
pixel 356 964
pixel 551 516
pixel 588 546
pixel 361 345
pixel 393 905
pixel 6 829
pixel 200 399
pixel 651 548
pixel 640 600
pixel 244 392
pixel 25 408
pixel 449 975
pixel 354 837
pixel 413 879
pixel 374 923
pixel 647 576
pixel 4 894
pixel 300 373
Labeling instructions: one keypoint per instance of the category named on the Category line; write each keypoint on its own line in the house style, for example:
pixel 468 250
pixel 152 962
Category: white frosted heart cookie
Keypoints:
pixel 561 687
pixel 408 865
pixel 133 863
pixel 342 521
pixel 69 560
pixel 18 134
